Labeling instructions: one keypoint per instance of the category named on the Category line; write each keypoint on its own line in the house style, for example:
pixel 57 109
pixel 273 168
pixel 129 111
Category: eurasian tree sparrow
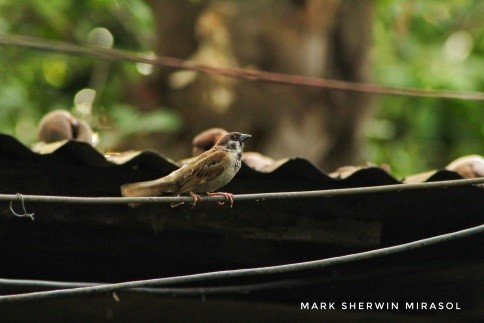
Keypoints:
pixel 208 172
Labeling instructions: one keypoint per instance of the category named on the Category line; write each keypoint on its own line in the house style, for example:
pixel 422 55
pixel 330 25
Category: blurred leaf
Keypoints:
pixel 128 121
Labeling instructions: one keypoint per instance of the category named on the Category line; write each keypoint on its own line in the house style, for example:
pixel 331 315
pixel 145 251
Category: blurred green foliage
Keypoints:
pixel 428 45
pixel 34 82
pixel 417 43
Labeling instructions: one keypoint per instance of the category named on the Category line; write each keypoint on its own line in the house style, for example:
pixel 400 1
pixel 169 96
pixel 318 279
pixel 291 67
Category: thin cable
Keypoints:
pixel 181 291
pixel 252 75
pixel 245 197
pixel 225 289
pixel 316 264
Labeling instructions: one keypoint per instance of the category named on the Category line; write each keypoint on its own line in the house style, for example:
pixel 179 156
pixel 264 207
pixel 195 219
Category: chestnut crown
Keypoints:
pixel 233 140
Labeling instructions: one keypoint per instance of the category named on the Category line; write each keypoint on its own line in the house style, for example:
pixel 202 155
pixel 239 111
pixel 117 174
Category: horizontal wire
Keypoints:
pixel 182 291
pixel 241 73
pixel 238 273
pixel 243 197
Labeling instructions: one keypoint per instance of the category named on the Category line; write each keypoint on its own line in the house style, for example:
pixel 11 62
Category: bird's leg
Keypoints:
pixel 228 197
pixel 196 198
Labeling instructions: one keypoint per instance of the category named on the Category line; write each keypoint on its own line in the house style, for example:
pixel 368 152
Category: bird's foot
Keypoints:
pixel 195 197
pixel 228 197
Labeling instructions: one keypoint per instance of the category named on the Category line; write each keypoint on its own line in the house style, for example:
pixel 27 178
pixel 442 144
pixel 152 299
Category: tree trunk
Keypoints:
pixel 328 39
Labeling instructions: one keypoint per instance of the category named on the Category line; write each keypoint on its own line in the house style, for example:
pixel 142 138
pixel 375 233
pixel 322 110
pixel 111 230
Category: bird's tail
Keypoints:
pixel 144 189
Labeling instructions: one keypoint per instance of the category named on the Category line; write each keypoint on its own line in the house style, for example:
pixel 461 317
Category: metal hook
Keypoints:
pixel 29 215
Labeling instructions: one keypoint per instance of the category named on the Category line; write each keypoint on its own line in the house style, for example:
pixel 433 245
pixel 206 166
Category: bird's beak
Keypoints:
pixel 244 136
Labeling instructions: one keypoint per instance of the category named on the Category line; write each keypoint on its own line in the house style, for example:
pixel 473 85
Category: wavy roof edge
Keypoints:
pixel 151 160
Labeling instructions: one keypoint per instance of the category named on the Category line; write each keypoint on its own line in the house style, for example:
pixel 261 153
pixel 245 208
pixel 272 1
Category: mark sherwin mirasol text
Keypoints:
pixel 360 306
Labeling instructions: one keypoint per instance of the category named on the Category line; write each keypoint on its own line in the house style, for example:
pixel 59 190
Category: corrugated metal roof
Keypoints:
pixel 116 242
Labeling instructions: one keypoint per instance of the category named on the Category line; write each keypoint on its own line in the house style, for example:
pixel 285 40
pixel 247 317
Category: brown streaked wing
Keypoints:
pixel 211 166
pixel 207 166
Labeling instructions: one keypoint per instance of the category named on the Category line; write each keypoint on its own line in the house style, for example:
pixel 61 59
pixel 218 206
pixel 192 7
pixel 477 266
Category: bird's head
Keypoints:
pixel 233 141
